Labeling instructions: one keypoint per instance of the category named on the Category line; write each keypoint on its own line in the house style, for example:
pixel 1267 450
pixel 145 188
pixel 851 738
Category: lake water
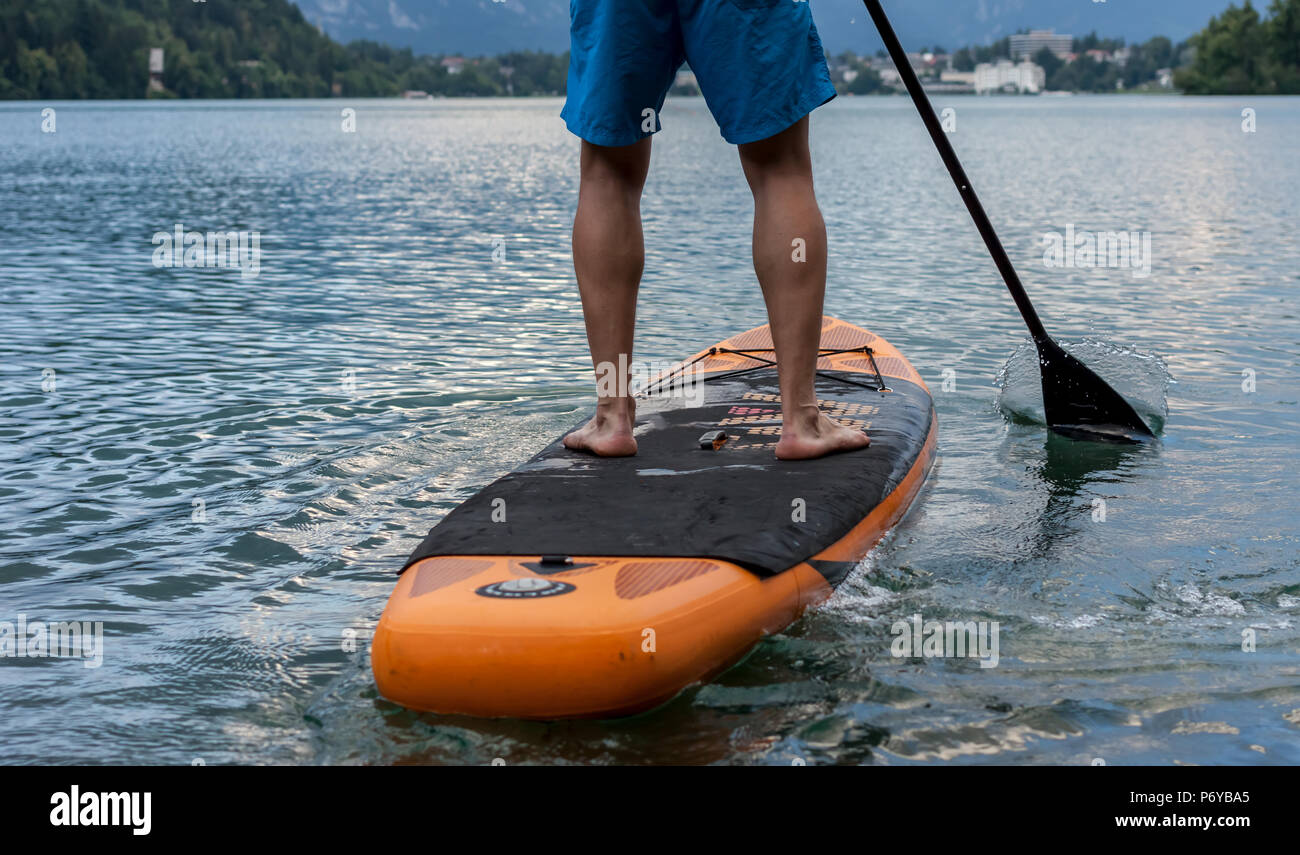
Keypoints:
pixel 227 470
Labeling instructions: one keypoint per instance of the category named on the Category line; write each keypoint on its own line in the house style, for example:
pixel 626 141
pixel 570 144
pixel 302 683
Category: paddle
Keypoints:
pixel 1076 401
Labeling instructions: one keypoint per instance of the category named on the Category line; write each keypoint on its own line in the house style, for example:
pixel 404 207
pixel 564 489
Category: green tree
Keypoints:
pixel 36 71
pixel 1049 61
pixel 866 83
pixel 1093 42
pixel 1146 59
pixel 1085 74
pixel 228 49
pixel 1238 53
pixel 1284 44
pixel 73 70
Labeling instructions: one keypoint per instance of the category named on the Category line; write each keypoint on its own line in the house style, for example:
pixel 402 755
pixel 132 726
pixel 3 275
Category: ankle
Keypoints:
pixel 612 410
pixel 800 416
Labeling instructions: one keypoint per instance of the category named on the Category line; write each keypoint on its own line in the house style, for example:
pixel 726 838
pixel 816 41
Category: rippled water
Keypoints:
pixel 226 471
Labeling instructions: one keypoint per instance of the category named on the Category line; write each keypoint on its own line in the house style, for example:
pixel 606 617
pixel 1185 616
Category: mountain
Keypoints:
pixel 469 27
pixel 477 27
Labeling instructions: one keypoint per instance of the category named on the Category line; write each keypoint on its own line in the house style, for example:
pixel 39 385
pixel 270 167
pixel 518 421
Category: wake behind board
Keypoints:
pixel 579 586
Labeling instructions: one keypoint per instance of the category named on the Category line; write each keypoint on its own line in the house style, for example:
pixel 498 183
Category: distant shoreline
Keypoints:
pixel 389 99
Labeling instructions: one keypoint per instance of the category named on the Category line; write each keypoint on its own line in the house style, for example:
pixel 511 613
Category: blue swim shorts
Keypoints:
pixel 759 64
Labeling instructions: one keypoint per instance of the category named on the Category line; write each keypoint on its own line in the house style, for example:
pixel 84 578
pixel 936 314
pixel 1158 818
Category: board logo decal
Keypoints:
pixel 525 588
pixel 759 422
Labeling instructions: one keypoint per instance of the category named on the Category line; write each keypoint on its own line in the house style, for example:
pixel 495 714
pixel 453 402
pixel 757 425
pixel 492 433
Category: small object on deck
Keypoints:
pixel 713 440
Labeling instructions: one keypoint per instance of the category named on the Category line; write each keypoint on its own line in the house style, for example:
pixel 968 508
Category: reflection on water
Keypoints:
pixel 1076 479
pixel 227 472
pixel 1069 466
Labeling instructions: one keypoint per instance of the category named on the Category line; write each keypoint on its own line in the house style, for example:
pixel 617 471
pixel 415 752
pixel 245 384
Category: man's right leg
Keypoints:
pixel 608 257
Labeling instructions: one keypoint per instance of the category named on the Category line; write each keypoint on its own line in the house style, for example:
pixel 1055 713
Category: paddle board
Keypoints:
pixel 579 586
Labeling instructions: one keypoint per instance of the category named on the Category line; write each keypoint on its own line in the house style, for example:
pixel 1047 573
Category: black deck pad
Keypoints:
pixel 738 503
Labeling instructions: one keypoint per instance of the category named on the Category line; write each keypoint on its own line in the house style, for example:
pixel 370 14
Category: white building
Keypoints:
pixel 1006 76
pixel 155 69
pixel 1027 45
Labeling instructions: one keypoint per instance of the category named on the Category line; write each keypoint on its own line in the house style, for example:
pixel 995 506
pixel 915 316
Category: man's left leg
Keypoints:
pixel 608 257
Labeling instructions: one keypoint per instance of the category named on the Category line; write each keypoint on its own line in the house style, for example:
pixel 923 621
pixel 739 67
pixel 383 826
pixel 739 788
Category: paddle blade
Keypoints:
pixel 1080 404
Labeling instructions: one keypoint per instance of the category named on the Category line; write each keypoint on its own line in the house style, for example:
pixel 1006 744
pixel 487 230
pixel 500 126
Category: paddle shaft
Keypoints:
pixel 958 174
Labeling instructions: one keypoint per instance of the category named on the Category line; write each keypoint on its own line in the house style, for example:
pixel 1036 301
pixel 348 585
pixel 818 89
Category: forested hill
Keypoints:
pixel 225 49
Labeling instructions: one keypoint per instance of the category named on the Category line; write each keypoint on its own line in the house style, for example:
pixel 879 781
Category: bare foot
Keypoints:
pixel 609 433
pixel 808 436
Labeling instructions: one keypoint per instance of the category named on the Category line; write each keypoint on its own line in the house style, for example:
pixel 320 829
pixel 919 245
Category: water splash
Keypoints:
pixel 1143 378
